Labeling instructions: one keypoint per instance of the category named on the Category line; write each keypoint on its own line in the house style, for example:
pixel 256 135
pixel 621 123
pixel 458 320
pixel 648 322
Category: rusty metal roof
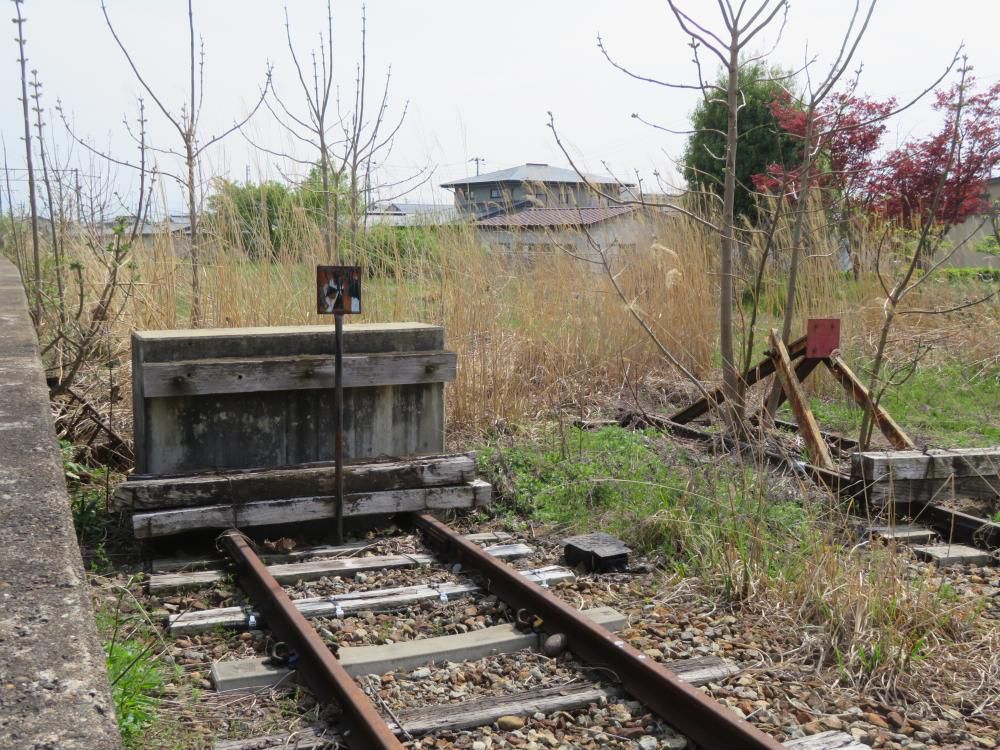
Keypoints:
pixel 554 217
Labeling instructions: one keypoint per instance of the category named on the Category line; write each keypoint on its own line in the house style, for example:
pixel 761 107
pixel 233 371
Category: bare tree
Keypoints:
pixel 32 201
pixel 185 122
pixel 351 156
pixel 87 325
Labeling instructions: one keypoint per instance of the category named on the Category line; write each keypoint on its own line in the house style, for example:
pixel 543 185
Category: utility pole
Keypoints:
pixel 23 60
pixel 478 159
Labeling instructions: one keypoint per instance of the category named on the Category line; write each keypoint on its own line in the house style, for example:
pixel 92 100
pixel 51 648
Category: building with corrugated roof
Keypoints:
pixel 532 186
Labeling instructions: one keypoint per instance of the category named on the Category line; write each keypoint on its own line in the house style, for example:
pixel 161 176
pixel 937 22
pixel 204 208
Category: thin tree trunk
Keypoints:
pixel 793 268
pixel 195 249
pixel 731 382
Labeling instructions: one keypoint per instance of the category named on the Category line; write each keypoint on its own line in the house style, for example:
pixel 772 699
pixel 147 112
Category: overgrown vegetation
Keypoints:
pixel 754 539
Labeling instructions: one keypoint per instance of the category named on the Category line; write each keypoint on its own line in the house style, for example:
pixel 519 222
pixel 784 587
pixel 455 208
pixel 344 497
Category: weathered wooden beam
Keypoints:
pixel 934 463
pixel 802 371
pixel 243 375
pixel 815 444
pixel 832 740
pixel 298 509
pixel 923 491
pixel 201 562
pixel 761 370
pixel 857 390
pixel 311 571
pixel 376 600
pixel 299 481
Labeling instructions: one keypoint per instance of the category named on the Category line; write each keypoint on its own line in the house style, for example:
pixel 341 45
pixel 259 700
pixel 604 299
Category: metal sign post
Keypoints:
pixel 338 422
pixel 338 292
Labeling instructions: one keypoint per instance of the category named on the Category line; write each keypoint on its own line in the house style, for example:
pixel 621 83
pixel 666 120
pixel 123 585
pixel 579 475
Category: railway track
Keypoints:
pixel 303 639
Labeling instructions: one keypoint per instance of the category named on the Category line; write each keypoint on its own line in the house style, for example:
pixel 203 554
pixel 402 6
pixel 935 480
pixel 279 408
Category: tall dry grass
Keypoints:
pixel 534 330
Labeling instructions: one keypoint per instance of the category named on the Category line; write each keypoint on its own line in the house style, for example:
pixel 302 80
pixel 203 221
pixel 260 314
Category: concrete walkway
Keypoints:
pixel 54 691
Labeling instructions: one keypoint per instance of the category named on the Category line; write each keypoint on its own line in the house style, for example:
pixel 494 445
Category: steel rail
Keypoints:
pixel 701 719
pixel 364 727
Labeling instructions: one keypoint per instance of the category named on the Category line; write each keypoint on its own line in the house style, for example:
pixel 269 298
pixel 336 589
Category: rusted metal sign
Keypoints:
pixel 338 290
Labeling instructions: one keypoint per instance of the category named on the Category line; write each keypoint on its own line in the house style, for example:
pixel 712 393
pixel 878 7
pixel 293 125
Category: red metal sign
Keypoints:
pixel 822 337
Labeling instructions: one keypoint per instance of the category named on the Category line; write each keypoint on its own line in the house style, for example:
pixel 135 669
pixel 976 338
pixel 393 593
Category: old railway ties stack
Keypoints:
pixel 902 483
pixel 165 505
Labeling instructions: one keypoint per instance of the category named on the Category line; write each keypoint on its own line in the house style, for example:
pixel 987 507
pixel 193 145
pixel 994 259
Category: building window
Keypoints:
pixel 495 193
pixel 540 198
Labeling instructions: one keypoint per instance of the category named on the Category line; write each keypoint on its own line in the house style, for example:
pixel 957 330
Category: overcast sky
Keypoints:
pixel 479 77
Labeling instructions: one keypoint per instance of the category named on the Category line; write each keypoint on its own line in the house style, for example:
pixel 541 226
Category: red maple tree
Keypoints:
pixel 848 131
pixel 904 183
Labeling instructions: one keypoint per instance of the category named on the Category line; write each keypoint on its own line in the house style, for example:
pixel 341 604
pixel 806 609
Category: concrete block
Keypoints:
pixel 953 554
pixel 256 674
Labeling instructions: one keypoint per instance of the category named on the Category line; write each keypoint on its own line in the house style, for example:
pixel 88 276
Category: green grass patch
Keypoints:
pixel 136 677
pixel 949 405
pixel 702 516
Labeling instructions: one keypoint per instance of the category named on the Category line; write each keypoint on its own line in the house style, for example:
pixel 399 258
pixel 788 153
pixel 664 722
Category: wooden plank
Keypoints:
pixel 903 532
pixel 245 375
pixel 934 463
pixel 298 509
pixel 376 600
pixel 201 562
pixel 802 371
pixel 299 481
pixel 311 571
pixel 761 370
pixel 832 740
pixel 547 700
pixel 484 711
pixel 255 674
pixel 815 444
pixel 253 341
pixel 138 406
pixel 857 390
pixel 923 491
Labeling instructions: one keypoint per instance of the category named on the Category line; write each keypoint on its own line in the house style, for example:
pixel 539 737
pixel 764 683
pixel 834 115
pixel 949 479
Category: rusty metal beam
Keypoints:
pixel 707 723
pixel 892 431
pixel 808 427
pixel 759 371
pixel 364 728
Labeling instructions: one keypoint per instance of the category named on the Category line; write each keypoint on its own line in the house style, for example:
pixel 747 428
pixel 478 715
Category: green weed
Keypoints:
pixel 706 519
pixel 136 678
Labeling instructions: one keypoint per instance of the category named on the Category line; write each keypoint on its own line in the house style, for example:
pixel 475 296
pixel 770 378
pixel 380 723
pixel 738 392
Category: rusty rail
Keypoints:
pixel 364 727
pixel 701 719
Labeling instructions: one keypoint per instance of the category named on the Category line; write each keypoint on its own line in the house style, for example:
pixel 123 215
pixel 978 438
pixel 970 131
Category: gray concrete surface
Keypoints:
pixel 54 691
pixel 258 674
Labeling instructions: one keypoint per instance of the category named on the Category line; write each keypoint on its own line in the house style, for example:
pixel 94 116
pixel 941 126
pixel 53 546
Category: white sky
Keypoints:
pixel 479 77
